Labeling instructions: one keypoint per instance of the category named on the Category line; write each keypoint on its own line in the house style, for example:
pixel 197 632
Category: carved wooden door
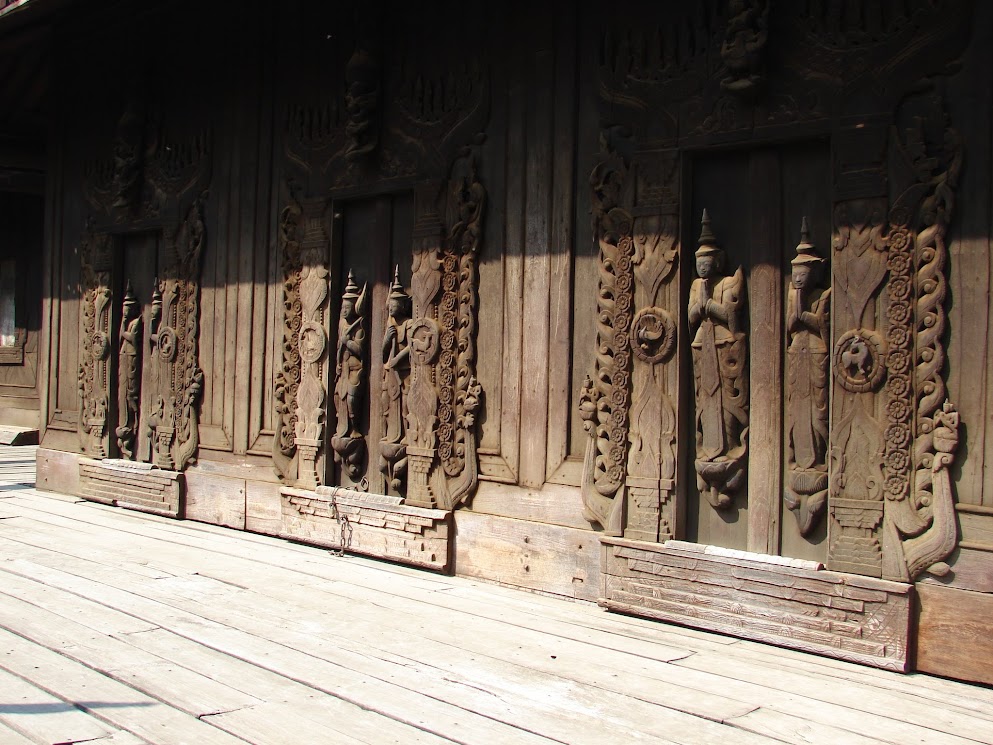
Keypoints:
pixel 372 256
pixel 759 406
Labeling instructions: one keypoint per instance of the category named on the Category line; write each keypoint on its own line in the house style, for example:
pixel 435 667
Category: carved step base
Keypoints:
pixel 135 486
pixel 379 525
pixel 790 603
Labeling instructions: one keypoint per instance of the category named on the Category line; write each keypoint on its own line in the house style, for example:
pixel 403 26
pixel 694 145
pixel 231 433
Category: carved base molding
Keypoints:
pixel 787 602
pixel 135 486
pixel 377 525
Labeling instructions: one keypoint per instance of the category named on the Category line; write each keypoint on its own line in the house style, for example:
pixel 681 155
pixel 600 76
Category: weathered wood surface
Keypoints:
pixel 954 636
pixel 780 601
pixel 143 489
pixel 368 524
pixel 133 628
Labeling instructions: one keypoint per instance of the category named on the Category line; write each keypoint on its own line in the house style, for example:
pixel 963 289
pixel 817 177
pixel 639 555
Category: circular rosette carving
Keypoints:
pixel 99 345
pixel 312 341
pixel 859 360
pixel 653 335
pixel 167 343
pixel 423 341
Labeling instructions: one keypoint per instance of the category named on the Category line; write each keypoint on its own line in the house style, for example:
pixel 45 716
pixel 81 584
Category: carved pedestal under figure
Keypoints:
pixel 807 326
pixel 348 441
pixel 396 370
pixel 720 373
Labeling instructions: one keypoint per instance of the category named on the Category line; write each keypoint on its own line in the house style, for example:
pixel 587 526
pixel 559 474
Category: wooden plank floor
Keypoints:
pixel 118 627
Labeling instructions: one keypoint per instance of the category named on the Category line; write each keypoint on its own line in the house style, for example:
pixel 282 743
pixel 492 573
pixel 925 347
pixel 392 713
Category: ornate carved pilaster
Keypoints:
pixel 284 451
pixel 348 442
pixel 174 329
pixel 129 372
pixel 808 333
pixel 95 253
pixel 312 341
pixel 444 394
pixel 720 373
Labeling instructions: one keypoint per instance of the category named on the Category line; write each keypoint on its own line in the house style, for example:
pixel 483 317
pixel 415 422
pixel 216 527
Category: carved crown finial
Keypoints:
pixel 396 289
pixel 707 241
pixel 130 301
pixel 805 251
pixel 351 289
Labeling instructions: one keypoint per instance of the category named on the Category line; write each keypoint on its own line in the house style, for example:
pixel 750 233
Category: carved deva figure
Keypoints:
pixel 396 369
pixel 128 396
pixel 720 374
pixel 347 441
pixel 807 325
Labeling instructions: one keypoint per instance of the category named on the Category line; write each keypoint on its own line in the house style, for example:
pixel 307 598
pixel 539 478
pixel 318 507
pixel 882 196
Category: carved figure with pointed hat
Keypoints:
pixel 396 370
pixel 720 372
pixel 347 441
pixel 807 328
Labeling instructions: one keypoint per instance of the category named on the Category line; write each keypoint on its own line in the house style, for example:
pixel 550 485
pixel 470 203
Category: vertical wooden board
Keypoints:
pixel 560 392
pixel 513 257
pixel 263 507
pixel 537 267
pixel 953 633
pixel 57 471
pixel 215 499
pixel 765 347
pixel 970 266
pixel 549 558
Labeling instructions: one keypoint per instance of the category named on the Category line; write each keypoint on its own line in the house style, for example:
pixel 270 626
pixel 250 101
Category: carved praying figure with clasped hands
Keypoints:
pixel 807 324
pixel 396 370
pixel 720 373
pixel 349 373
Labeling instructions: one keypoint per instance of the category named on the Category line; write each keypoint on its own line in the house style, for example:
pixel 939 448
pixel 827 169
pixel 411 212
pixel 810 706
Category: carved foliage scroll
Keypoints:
pixel 94 375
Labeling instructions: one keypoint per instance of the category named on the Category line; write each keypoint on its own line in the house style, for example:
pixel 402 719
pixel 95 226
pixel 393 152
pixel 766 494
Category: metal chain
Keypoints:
pixel 344 525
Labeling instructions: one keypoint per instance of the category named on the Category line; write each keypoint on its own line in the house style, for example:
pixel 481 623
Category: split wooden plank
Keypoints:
pixel 112 652
pixel 38 716
pixel 114 703
pixel 659 721
pixel 446 720
pixel 715 684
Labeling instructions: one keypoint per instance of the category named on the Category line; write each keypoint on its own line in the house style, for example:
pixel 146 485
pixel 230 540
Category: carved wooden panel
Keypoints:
pixel 136 486
pixel 787 602
pixel 368 524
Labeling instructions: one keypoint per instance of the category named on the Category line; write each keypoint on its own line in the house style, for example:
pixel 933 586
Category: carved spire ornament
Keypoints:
pixel 396 372
pixel 350 374
pixel 129 372
pixel 720 372
pixel 808 333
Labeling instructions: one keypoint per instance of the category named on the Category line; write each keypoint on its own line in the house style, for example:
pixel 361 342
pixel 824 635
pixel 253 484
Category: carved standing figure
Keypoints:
pixel 349 377
pixel 808 328
pixel 720 374
pixel 130 379
pixel 396 370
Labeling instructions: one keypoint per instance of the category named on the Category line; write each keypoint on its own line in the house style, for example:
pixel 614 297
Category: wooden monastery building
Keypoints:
pixel 678 307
